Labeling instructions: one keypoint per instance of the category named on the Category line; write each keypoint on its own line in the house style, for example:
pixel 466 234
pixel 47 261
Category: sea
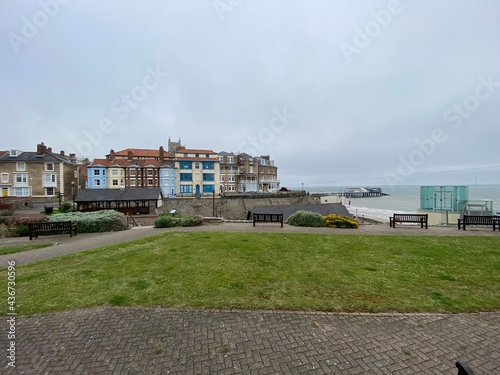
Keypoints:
pixel 401 199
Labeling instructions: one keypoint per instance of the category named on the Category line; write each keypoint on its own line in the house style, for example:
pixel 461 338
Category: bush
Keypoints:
pixel 92 222
pixel 66 207
pixel 22 230
pixel 337 221
pixel 49 209
pixel 191 221
pixel 304 218
pixel 166 222
pixel 6 213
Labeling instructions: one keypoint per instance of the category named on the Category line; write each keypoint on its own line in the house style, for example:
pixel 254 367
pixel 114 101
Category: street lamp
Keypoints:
pixel 73 192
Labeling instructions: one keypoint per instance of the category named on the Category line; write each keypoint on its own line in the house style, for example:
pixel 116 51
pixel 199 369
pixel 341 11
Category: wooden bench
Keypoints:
pixel 268 218
pixel 493 221
pixel 409 218
pixel 52 227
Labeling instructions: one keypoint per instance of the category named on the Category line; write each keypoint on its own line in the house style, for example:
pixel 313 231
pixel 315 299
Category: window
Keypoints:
pixel 21 178
pixel 150 182
pixel 97 172
pixel 197 155
pixel 186 165
pixel 196 165
pixel 186 177
pixel 251 169
pixel 221 178
pixel 150 172
pixel 229 159
pixel 208 165
pixel 115 182
pixel 49 179
pixel 21 166
pixel 5 178
pixel 50 191
pixel 221 159
pixel 132 172
pixel 207 155
pixel 97 183
pixel 49 167
pixel 208 177
pixel 132 182
pixel 230 178
pixel 186 189
pixel 21 192
pixel 230 188
pixel 208 188
pixel 114 172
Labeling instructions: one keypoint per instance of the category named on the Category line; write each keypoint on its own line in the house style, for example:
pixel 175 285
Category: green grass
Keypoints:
pixel 270 271
pixel 16 249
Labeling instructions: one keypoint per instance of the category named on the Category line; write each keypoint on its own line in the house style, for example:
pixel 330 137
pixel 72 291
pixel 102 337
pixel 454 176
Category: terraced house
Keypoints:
pixel 42 175
pixel 134 168
pixel 198 172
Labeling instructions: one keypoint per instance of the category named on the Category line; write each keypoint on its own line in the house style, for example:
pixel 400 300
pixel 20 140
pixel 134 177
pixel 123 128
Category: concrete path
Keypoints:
pixel 116 340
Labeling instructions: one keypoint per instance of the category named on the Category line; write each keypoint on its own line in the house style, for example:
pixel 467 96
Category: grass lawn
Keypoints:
pixel 16 249
pixel 349 273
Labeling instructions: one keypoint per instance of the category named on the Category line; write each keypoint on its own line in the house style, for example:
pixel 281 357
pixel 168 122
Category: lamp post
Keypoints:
pixel 73 192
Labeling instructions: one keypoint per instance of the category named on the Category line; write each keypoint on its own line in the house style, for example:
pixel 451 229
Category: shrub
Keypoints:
pixel 304 218
pixel 49 209
pixel 337 221
pixel 92 222
pixel 66 207
pixel 6 213
pixel 165 222
pixel 22 230
pixel 191 221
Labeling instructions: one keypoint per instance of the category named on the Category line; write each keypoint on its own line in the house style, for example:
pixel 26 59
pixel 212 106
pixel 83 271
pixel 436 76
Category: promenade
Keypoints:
pixel 135 340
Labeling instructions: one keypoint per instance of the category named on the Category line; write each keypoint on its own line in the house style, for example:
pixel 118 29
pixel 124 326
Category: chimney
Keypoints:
pixel 111 155
pixel 41 149
pixel 49 149
pixel 62 152
pixel 130 155
pixel 72 156
pixel 162 154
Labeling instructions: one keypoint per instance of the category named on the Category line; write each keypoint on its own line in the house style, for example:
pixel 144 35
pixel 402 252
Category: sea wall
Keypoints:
pixel 232 207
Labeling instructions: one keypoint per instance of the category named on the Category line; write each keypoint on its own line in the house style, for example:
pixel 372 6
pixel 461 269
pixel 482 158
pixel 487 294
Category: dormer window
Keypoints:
pixel 13 153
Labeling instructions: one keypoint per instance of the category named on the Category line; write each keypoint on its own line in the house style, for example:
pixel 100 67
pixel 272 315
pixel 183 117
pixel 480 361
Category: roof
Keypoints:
pixel 182 150
pixel 33 157
pixel 128 194
pixel 143 152
pixel 323 209
pixel 125 163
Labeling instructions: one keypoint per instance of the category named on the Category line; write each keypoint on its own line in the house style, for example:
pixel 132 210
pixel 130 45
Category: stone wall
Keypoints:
pixel 231 208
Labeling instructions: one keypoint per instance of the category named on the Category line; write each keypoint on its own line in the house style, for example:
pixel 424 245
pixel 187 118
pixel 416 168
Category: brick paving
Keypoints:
pixel 117 340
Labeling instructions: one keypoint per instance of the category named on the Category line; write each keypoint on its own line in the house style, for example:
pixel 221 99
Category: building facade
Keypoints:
pixel 42 175
pixel 198 172
pixel 243 173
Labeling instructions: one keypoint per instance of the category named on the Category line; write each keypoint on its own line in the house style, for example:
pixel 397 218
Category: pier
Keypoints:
pixel 355 193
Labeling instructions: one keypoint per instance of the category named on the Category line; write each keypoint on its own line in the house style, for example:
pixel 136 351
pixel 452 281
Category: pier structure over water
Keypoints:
pixel 355 192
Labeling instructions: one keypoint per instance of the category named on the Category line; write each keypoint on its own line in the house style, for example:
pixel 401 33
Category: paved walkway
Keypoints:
pixel 117 340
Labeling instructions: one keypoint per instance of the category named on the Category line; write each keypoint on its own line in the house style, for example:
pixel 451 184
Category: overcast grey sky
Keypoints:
pixel 337 92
